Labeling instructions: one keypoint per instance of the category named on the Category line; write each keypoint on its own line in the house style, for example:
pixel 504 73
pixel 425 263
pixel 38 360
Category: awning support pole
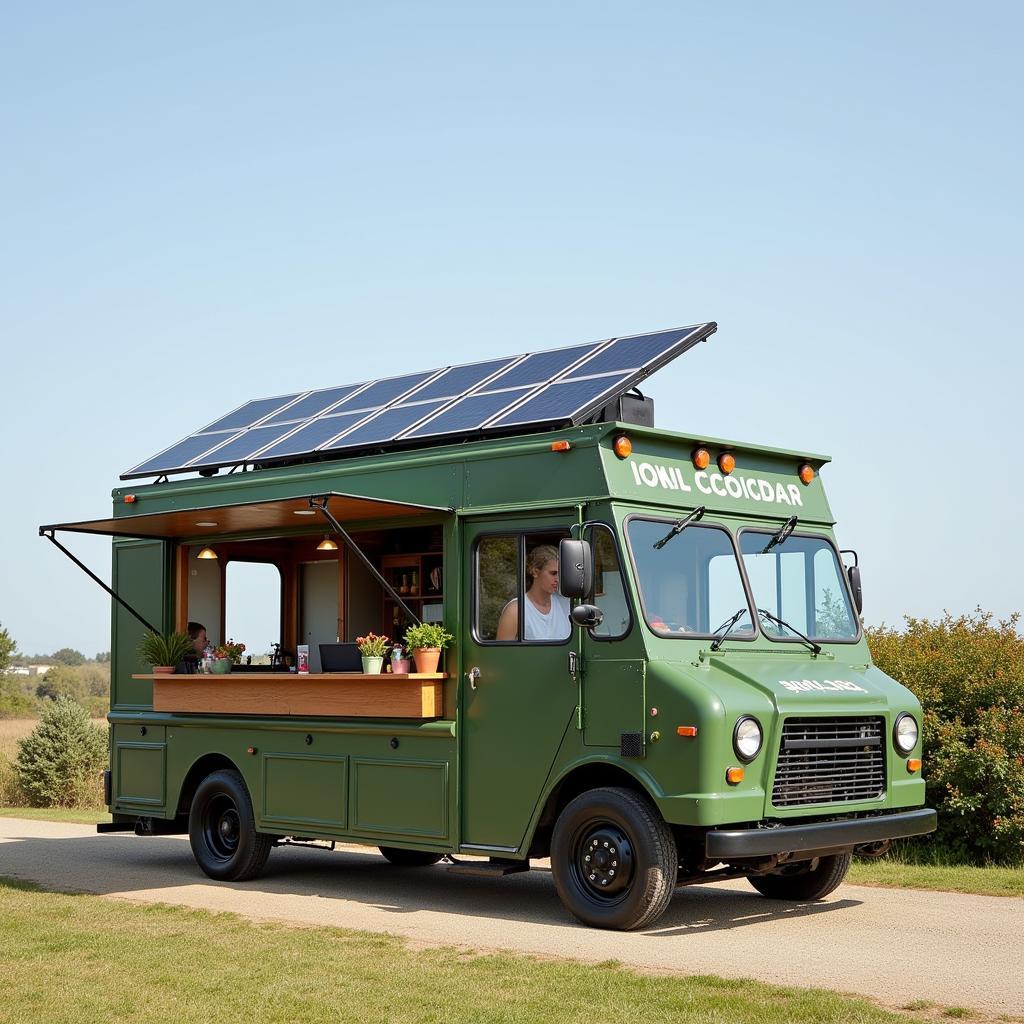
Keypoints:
pixel 48 534
pixel 320 504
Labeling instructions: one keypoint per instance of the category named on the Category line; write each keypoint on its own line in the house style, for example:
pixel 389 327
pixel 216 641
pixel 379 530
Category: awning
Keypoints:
pixel 280 514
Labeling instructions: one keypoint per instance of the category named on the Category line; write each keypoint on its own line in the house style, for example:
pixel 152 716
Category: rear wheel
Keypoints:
pixel 222 829
pixel 409 858
pixel 613 859
pixel 810 881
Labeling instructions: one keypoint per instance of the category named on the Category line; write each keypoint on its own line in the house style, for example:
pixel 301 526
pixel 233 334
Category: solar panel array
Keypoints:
pixel 550 388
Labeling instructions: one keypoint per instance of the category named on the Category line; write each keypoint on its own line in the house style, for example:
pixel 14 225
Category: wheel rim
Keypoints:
pixel 222 827
pixel 602 861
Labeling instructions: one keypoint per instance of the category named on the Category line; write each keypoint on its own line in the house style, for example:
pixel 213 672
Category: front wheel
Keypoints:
pixel 222 829
pixel 810 881
pixel 613 859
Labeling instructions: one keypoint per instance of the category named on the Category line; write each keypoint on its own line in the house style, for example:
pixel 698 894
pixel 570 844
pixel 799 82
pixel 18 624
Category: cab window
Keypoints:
pixel 517 598
pixel 609 587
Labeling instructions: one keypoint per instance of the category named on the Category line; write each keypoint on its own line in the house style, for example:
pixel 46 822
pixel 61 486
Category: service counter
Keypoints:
pixel 328 694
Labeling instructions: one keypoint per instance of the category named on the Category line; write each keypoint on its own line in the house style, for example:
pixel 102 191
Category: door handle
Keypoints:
pixel 473 675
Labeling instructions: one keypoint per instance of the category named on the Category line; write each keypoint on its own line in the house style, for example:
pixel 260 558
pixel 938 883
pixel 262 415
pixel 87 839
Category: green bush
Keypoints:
pixel 968 674
pixel 59 763
pixel 15 699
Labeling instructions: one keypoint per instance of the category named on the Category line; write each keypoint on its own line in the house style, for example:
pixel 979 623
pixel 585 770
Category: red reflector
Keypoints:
pixel 560 446
pixel 129 499
pixel 687 730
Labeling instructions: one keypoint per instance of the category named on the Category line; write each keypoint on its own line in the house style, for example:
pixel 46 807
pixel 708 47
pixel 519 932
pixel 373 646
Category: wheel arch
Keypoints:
pixel 578 778
pixel 203 766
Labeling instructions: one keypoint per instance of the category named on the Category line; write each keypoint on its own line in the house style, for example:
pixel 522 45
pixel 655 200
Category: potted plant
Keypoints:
pixel 399 661
pixel 372 648
pixel 427 641
pixel 163 651
pixel 226 655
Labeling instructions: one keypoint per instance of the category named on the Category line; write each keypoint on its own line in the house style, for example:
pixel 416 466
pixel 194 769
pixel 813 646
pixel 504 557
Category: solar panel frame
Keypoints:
pixel 591 356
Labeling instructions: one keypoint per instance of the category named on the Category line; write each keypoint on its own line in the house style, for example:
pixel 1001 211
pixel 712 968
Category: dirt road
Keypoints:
pixel 895 945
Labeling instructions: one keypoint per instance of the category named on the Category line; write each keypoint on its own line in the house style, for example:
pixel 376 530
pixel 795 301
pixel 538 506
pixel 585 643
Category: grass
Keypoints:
pixel 83 959
pixel 979 881
pixel 74 815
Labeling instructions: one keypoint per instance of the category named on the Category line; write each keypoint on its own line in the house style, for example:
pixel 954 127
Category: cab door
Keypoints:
pixel 518 696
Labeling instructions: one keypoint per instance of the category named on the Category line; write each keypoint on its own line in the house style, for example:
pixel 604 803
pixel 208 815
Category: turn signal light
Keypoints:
pixel 733 775
pixel 914 765
pixel 806 473
pixel 701 458
pixel 726 462
pixel 687 730
pixel 623 447
pixel 129 499
pixel 560 446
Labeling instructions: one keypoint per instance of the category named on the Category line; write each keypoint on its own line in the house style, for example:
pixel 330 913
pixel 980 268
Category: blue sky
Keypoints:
pixel 203 204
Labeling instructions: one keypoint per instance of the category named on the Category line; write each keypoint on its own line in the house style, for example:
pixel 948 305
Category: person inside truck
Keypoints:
pixel 546 612
pixel 197 634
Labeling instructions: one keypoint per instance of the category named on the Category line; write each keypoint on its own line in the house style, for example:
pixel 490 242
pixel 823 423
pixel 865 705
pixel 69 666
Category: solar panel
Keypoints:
pixel 550 388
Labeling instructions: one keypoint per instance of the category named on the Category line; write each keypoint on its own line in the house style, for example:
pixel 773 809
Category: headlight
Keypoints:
pixel 905 733
pixel 746 738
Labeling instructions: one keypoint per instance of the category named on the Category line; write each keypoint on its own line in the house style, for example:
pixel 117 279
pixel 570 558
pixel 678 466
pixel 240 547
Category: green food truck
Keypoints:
pixel 658 674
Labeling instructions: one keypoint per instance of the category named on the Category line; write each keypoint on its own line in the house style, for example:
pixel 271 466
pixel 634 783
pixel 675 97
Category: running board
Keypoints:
pixel 494 868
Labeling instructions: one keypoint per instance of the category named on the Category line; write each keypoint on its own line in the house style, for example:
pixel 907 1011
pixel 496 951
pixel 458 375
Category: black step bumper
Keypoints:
pixel 819 837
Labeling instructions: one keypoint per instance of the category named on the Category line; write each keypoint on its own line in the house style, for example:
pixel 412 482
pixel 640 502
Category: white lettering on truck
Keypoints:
pixel 670 478
pixel 828 685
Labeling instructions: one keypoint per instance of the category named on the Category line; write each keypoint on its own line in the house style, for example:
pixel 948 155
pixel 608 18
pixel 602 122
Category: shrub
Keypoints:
pixel 15 699
pixel 60 761
pixel 968 674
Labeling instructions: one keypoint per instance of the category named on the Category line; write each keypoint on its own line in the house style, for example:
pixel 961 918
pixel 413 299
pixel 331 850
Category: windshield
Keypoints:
pixel 691 585
pixel 801 581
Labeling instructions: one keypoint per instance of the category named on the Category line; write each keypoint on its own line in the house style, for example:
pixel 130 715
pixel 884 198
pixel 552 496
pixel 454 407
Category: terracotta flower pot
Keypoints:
pixel 427 658
pixel 163 670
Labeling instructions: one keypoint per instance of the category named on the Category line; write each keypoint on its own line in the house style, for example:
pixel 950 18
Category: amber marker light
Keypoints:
pixel 560 446
pixel 734 775
pixel 806 473
pixel 623 447
pixel 726 462
pixel 129 499
pixel 701 458
pixel 687 730
pixel 914 765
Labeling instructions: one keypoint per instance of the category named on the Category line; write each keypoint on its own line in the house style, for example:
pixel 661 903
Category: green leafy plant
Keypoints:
pixel 427 634
pixel 372 646
pixel 968 674
pixel 164 648
pixel 59 762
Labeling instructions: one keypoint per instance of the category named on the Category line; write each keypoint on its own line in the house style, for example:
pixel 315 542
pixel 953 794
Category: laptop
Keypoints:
pixel 340 658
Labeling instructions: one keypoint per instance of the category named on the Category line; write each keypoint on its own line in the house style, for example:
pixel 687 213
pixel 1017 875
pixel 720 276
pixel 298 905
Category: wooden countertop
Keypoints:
pixel 217 677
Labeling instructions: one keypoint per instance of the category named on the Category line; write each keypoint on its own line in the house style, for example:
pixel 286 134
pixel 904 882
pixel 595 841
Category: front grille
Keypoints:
pixel 830 760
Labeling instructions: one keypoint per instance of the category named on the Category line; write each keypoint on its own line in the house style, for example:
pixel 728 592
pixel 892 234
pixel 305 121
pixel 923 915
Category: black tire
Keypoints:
pixel 410 858
pixel 222 830
pixel 613 859
pixel 802 884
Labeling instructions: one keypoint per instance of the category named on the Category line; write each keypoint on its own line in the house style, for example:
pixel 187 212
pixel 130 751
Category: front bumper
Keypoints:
pixel 819 837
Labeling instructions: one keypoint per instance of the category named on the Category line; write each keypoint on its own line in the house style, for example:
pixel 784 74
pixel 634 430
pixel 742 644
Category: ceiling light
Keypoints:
pixel 207 553
pixel 327 545
pixel 207 524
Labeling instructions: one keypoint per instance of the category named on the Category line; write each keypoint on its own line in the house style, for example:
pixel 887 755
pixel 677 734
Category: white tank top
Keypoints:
pixel 555 625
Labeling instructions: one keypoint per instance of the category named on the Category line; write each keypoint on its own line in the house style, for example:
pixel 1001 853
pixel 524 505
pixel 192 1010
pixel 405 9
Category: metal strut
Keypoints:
pixel 320 504
pixel 48 534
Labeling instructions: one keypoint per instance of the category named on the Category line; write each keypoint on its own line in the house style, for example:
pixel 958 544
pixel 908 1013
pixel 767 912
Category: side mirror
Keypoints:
pixel 587 615
pixel 853 574
pixel 575 568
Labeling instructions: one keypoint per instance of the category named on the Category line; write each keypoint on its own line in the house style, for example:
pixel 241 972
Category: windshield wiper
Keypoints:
pixel 723 631
pixel 782 536
pixel 781 622
pixel 693 517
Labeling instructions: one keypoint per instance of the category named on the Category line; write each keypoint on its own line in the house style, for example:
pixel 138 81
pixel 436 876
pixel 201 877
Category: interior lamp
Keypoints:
pixel 206 552
pixel 327 545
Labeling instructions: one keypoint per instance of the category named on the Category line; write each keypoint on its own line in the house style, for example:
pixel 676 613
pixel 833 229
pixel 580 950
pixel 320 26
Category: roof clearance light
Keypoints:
pixel 734 775
pixel 701 458
pixel 129 499
pixel 726 462
pixel 806 473
pixel 623 447
pixel 560 446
